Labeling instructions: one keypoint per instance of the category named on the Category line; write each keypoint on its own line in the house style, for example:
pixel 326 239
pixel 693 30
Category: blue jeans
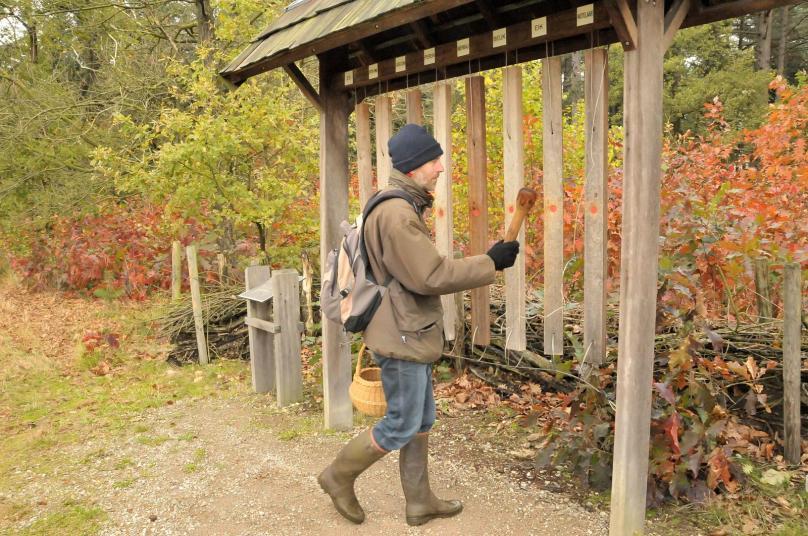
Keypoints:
pixel 410 403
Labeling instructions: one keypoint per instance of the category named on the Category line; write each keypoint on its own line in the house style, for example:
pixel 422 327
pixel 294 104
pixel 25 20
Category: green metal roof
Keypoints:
pixel 306 23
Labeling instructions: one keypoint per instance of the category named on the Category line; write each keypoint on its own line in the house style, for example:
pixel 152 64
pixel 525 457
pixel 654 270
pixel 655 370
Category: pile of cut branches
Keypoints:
pixel 223 313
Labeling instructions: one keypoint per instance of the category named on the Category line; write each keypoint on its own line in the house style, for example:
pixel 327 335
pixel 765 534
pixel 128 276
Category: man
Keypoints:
pixel 406 332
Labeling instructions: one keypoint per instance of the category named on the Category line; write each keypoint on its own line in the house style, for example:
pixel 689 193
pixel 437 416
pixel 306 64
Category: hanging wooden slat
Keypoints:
pixel 792 361
pixel 638 270
pixel 553 209
pixel 596 196
pixel 363 152
pixel 337 370
pixel 515 337
pixel 442 208
pixel 478 201
pixel 415 107
pixel 384 131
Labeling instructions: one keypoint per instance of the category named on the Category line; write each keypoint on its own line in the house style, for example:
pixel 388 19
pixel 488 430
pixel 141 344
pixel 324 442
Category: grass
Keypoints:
pixel 48 406
pixel 196 464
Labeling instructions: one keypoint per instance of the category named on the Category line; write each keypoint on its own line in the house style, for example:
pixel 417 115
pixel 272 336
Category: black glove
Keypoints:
pixel 504 254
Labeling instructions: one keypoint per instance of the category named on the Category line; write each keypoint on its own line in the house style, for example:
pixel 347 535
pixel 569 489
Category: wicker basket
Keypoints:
pixel 366 389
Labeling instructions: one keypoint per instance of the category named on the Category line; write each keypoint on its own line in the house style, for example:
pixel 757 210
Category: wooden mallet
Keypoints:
pixel 525 200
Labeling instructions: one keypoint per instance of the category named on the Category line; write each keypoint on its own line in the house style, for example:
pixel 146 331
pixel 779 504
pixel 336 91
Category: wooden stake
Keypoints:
pixel 442 208
pixel 262 345
pixel 286 311
pixel 176 270
pixel 792 362
pixel 415 108
pixel 220 265
pixel 337 372
pixel 308 283
pixel 515 294
pixel 196 302
pixel 553 209
pixel 762 297
pixel 478 201
pixel 638 270
pixel 596 195
pixel 363 153
pixel 384 131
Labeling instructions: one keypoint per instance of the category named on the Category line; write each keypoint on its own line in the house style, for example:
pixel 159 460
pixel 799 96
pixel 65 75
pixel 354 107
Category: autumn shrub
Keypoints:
pixel 121 250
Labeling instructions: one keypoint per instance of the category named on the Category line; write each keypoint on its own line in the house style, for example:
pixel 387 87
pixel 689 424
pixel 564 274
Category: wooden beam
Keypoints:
pixel 442 208
pixel 415 107
pixel 792 361
pixel 596 195
pixel 487 11
pixel 514 161
pixel 334 178
pixel 286 313
pixel 262 348
pixel 638 270
pixel 623 21
pixel 730 10
pixel 555 26
pixel 384 131
pixel 304 85
pixel 364 161
pixel 673 21
pixel 553 209
pixel 478 202
pixel 422 34
pixel 534 52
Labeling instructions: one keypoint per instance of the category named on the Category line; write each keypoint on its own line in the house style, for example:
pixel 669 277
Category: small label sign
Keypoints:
pixel 538 27
pixel 586 14
pixel 401 64
pixel 429 56
pixel 500 37
pixel 463 47
pixel 349 78
pixel 373 71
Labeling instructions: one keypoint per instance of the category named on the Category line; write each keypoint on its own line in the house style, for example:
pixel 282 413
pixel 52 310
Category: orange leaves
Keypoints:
pixel 719 471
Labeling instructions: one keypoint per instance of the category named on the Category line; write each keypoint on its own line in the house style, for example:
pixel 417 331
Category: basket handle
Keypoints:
pixel 359 360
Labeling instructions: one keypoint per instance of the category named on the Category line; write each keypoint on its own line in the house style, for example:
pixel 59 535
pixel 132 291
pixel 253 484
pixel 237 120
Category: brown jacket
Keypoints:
pixel 409 322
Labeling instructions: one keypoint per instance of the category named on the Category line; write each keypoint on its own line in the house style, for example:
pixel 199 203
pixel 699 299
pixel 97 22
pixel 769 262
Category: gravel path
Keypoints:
pixel 219 467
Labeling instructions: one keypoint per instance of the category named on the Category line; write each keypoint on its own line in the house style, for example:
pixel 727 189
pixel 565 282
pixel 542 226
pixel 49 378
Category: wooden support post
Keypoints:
pixel 286 311
pixel 792 363
pixel 553 209
pixel 415 107
pixel 442 208
pixel 762 296
pixel 638 270
pixel 308 284
pixel 596 195
pixel 221 263
pixel 515 332
pixel 384 131
pixel 334 176
pixel 262 345
pixel 478 201
pixel 196 303
pixel 460 331
pixel 176 270
pixel 363 153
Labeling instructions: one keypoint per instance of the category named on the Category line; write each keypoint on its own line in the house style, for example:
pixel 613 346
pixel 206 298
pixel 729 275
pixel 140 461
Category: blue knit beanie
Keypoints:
pixel 412 147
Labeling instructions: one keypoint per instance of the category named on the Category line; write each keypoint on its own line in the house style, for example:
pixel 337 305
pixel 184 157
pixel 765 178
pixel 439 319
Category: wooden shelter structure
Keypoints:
pixel 369 48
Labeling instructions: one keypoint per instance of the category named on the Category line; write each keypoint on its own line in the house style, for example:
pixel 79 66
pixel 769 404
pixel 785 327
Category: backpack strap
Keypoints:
pixel 377 199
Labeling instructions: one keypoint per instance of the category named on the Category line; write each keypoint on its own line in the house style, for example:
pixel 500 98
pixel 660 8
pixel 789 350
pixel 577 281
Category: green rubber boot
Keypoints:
pixel 422 505
pixel 338 478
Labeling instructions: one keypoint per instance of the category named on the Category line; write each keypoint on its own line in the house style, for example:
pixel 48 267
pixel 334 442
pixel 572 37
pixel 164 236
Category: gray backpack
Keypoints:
pixel 349 294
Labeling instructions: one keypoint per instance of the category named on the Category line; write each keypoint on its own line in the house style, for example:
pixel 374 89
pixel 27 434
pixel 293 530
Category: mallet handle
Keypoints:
pixel 524 202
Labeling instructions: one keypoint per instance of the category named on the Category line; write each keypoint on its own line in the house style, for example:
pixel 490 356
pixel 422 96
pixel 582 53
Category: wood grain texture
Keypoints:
pixel 286 312
pixel 638 270
pixel 596 195
pixel 415 107
pixel 334 177
pixel 514 160
pixel 384 131
pixel 364 160
pixel 553 209
pixel 196 303
pixel 792 362
pixel 478 201
pixel 176 270
pixel 262 346
pixel 442 207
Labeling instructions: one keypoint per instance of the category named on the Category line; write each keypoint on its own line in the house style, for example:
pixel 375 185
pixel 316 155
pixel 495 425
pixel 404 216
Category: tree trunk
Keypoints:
pixel 204 20
pixel 34 43
pixel 262 240
pixel 764 43
pixel 781 50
